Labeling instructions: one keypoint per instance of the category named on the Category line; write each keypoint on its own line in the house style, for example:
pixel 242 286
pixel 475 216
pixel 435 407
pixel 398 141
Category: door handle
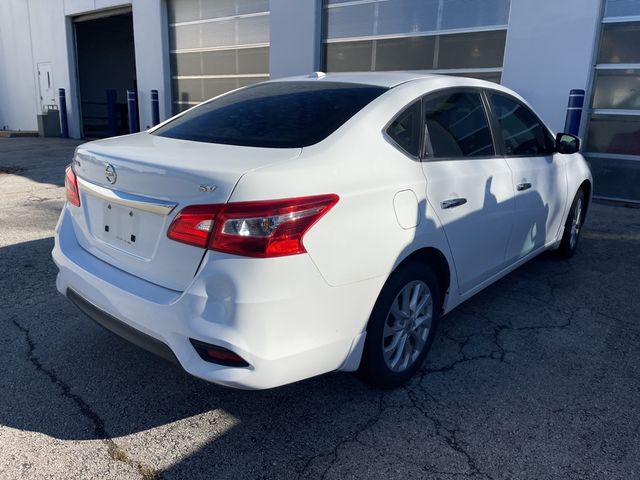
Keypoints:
pixel 453 202
pixel 523 186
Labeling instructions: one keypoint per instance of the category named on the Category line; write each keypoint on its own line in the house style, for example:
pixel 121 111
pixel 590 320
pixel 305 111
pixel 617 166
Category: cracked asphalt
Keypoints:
pixel 537 377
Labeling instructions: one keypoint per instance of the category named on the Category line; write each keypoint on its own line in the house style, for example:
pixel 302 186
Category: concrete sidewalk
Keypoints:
pixel 537 377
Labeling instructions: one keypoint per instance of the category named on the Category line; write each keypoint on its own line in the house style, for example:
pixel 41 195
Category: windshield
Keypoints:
pixel 273 115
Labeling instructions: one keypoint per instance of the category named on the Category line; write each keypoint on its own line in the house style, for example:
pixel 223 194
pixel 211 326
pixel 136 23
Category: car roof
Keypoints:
pixel 381 79
pixel 406 79
pixel 394 79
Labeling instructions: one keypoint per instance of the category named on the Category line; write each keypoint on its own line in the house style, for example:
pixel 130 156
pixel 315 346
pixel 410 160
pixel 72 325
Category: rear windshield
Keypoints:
pixel 273 115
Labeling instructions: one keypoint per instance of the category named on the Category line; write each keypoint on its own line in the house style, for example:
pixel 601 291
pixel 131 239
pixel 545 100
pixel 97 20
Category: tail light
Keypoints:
pixel 271 228
pixel 71 186
pixel 194 224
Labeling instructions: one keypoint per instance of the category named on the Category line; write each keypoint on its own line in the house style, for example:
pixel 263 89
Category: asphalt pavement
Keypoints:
pixel 537 377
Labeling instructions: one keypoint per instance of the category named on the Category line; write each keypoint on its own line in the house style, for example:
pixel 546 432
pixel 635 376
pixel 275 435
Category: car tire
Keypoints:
pixel 573 226
pixel 397 342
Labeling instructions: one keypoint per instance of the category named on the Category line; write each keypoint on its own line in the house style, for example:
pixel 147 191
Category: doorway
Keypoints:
pixel 105 56
pixel 45 86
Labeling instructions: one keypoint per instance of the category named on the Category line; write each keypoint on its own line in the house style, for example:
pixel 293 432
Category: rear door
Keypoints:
pixel 468 184
pixel 539 179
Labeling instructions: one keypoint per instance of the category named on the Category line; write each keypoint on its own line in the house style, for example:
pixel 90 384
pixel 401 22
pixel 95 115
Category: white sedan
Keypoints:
pixel 313 224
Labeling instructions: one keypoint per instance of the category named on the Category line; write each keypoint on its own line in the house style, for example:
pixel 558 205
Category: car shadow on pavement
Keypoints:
pixel 523 367
pixel 38 159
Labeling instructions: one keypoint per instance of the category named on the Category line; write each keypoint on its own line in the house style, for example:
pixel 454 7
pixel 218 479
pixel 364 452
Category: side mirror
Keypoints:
pixel 567 143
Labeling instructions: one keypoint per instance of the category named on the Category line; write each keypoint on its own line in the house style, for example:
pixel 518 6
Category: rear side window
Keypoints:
pixel 457 125
pixel 522 132
pixel 405 129
pixel 273 115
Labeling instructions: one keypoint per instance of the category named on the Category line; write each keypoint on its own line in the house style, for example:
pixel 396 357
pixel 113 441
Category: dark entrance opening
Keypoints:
pixel 105 56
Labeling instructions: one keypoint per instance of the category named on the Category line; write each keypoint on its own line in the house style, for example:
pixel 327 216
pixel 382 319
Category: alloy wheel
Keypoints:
pixel 407 326
pixel 576 223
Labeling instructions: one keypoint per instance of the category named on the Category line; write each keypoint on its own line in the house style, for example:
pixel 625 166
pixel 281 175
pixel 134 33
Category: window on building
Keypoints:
pixel 614 134
pixel 521 131
pixel 406 129
pixel 612 143
pixel 216 46
pixel 460 37
pixel 457 126
pixel 621 8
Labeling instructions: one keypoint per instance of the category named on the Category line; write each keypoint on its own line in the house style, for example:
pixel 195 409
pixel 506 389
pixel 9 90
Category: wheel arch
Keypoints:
pixel 434 258
pixel 587 188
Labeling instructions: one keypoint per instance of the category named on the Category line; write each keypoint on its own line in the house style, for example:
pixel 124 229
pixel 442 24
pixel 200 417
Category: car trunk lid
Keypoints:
pixel 132 187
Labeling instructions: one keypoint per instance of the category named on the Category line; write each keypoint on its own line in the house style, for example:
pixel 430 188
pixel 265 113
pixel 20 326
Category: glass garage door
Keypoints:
pixel 613 132
pixel 216 46
pixel 461 37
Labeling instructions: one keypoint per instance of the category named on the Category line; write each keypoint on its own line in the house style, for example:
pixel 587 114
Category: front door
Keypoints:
pixel 538 178
pixel 468 185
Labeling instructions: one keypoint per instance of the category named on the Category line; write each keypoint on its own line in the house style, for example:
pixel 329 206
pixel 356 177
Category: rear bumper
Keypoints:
pixel 121 329
pixel 277 314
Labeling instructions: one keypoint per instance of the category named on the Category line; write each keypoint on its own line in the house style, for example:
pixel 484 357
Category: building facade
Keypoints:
pixel 192 50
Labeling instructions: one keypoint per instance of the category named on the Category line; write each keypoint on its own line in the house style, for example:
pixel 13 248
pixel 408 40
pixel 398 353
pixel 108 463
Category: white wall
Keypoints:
pixel 151 50
pixel 18 90
pixel 31 32
pixel 152 57
pixel 295 32
pixel 549 51
pixel 52 38
pixel 76 7
pixel 34 31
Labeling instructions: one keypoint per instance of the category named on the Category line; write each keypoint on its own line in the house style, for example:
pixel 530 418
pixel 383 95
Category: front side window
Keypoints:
pixel 522 132
pixel 274 114
pixel 457 126
pixel 405 130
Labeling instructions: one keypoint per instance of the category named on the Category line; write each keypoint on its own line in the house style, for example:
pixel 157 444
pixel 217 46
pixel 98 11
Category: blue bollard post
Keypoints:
pixel 574 112
pixel 112 113
pixel 155 108
pixel 64 125
pixel 132 107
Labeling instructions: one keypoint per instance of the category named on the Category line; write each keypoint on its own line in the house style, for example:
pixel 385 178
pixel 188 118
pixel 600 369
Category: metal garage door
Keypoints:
pixel 216 46
pixel 458 37
pixel 613 130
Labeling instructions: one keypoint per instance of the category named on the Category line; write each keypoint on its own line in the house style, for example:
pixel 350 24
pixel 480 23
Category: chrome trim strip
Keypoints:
pixel 623 18
pixel 617 66
pixel 221 48
pixel 615 111
pixel 425 33
pixel 220 19
pixel 231 75
pixel 160 207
